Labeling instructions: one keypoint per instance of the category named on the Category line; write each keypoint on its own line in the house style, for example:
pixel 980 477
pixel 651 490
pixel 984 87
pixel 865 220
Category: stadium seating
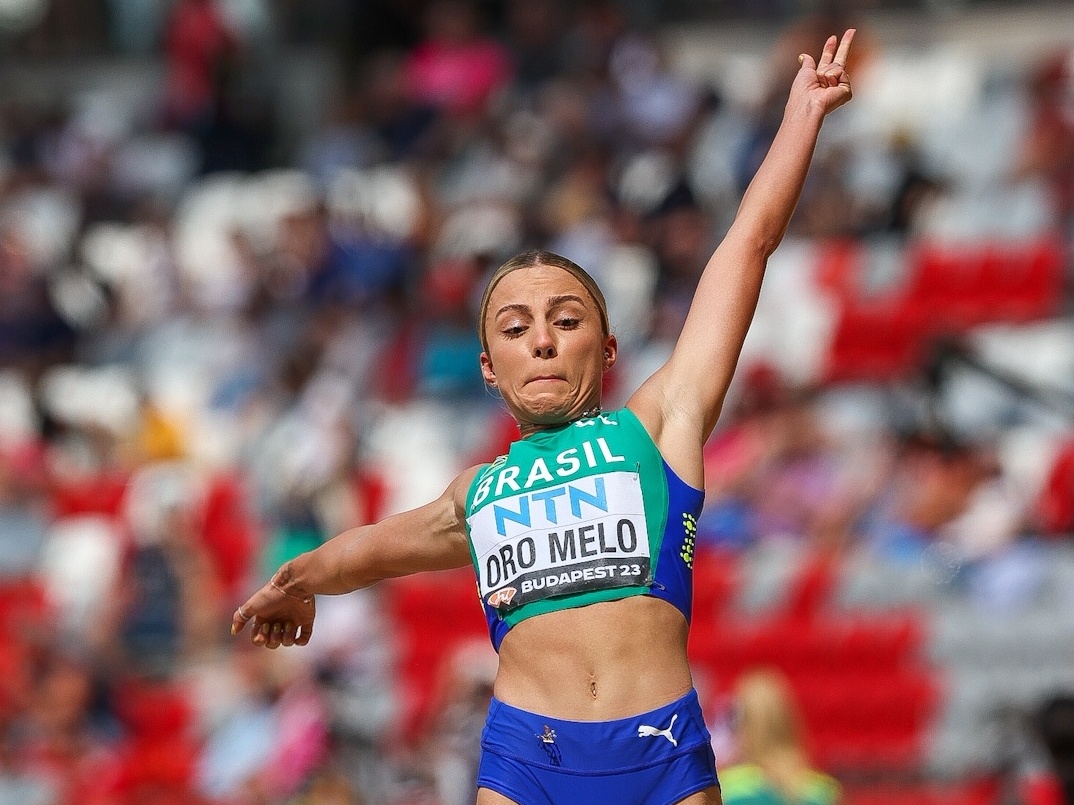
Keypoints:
pixel 945 290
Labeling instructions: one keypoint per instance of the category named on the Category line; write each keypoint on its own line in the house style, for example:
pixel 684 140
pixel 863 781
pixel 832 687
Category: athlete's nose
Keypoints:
pixel 544 350
pixel 543 345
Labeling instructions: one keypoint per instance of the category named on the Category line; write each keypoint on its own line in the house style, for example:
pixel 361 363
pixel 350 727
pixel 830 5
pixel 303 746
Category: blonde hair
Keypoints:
pixel 769 729
pixel 533 258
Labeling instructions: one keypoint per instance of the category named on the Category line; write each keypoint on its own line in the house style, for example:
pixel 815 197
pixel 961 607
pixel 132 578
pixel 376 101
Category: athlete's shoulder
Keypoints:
pixel 460 490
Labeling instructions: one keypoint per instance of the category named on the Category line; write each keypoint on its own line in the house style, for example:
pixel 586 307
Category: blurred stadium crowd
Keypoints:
pixel 227 334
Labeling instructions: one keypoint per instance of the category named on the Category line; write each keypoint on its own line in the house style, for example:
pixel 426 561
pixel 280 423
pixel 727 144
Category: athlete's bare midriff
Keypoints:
pixel 596 663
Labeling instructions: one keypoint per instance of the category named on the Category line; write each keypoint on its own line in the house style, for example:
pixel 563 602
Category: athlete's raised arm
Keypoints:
pixel 682 401
pixel 431 537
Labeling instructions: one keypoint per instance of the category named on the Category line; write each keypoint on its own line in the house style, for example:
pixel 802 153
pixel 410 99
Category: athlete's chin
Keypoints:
pixel 546 410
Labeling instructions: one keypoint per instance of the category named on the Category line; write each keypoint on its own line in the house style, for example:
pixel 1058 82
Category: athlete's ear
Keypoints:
pixel 611 352
pixel 486 370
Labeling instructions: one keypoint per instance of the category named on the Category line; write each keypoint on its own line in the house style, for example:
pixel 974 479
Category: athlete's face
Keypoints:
pixel 547 350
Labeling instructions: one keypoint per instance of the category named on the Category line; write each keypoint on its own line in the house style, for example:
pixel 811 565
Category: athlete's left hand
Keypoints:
pixel 826 82
pixel 276 618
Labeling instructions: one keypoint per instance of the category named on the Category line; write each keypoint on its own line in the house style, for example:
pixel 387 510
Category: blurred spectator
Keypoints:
pixel 167 599
pixel 767 111
pixel 590 39
pixel 679 233
pixel 210 92
pixel 771 766
pixel 657 105
pixel 331 788
pixel 23 513
pixel 33 335
pixel 340 269
pixel 445 365
pixel 1055 730
pixel 353 653
pixel 456 67
pixel 135 25
pixel 934 480
pixel 198 44
pixel 400 121
pixel 345 139
pixel 60 745
pixel 272 735
pixel 827 206
pixel 1054 508
pixel 917 190
pixel 534 36
pixel 773 473
pixel 1047 149
pixel 451 747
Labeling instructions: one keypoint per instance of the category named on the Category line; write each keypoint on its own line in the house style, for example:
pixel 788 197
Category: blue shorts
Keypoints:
pixel 656 758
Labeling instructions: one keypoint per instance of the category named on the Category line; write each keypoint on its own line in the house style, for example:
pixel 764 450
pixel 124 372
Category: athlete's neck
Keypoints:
pixel 530 428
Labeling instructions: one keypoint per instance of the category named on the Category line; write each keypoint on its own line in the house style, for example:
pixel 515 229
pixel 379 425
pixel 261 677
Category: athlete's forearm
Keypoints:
pixel 772 195
pixel 431 537
pixel 345 563
pixel 705 357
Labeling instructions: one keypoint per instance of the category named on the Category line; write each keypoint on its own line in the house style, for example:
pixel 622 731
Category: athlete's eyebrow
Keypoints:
pixel 516 306
pixel 553 301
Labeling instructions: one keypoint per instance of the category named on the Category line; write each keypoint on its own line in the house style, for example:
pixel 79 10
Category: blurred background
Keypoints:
pixel 241 247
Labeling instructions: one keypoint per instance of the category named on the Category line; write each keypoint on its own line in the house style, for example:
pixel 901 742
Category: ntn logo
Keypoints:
pixel 548 502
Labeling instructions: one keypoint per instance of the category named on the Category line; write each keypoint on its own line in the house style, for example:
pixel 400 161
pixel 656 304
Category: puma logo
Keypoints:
pixel 645 731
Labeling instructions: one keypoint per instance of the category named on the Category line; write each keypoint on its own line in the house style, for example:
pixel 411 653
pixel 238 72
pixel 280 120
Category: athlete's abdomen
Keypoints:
pixel 604 661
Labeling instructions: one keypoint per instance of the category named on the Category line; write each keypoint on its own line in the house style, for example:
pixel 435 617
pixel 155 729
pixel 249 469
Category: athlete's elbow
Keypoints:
pixel 767 241
pixel 758 236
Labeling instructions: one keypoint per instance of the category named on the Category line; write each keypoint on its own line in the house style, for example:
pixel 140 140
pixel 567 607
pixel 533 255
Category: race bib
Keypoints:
pixel 588 534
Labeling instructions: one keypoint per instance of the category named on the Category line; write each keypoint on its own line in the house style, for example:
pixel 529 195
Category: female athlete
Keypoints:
pixel 582 535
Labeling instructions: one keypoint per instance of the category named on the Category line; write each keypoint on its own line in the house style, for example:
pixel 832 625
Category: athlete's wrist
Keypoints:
pixel 285 582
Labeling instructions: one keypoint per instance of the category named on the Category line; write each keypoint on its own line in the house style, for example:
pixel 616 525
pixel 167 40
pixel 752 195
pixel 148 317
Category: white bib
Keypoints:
pixel 588 534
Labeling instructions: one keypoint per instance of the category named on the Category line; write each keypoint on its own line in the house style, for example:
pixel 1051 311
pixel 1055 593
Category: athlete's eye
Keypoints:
pixel 514 331
pixel 568 322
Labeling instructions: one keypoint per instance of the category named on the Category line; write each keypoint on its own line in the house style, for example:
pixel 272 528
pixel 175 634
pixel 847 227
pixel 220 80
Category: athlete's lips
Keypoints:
pixel 544 377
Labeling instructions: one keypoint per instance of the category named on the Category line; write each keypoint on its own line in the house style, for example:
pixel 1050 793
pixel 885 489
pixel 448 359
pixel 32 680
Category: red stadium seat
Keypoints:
pixel 877 341
pixel 434 613
pixel 974 792
pixel 716 579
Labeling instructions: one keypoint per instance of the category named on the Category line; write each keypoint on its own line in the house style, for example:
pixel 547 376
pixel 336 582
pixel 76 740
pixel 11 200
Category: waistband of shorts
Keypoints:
pixel 596 747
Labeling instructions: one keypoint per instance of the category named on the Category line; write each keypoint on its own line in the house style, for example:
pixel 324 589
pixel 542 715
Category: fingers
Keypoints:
pixel 288 638
pixel 268 634
pixel 279 621
pixel 831 69
pixel 260 632
pixel 304 634
pixel 275 639
pixel 828 55
pixel 239 620
pixel 273 634
pixel 844 47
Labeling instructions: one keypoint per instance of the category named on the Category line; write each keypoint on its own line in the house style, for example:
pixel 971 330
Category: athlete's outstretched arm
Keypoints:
pixel 431 537
pixel 687 393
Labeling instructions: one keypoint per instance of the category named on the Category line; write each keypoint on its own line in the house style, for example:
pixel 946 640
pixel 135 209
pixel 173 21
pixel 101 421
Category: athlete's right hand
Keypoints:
pixel 277 618
pixel 825 82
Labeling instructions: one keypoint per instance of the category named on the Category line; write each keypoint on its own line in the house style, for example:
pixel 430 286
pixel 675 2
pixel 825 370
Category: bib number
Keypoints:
pixel 589 534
